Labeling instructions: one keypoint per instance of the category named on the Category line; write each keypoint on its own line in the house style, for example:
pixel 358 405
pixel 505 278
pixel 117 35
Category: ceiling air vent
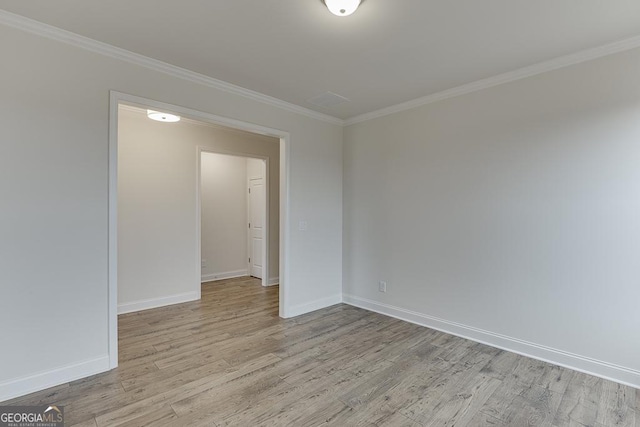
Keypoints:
pixel 327 100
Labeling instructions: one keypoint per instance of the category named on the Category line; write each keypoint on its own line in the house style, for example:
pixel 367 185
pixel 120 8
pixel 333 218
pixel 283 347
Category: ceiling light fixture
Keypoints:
pixel 342 7
pixel 162 117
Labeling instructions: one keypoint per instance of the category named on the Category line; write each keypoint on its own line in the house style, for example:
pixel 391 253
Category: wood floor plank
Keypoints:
pixel 462 404
pixel 501 365
pixel 379 418
pixel 237 389
pixel 328 413
pixel 616 405
pixel 444 386
pixel 387 407
pixel 165 415
pixel 165 397
pixel 229 360
pixel 175 376
pixel 321 385
pixel 290 401
pixel 89 423
pixel 580 403
pixel 389 376
pixel 517 403
pixel 637 408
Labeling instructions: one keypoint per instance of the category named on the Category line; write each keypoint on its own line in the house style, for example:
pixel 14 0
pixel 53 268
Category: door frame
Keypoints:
pixel 265 240
pixel 115 99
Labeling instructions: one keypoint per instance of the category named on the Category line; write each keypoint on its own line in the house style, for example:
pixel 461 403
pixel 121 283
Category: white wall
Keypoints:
pixel 509 212
pixel 224 215
pixel 54 112
pixel 255 168
pixel 157 233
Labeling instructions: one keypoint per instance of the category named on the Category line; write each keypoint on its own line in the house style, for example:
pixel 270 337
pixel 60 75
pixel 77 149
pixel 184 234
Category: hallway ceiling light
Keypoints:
pixel 342 7
pixel 162 117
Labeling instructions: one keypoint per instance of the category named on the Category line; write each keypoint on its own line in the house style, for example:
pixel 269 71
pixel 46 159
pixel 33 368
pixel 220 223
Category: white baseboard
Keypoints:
pixel 300 309
pixel 587 365
pixel 221 276
pixel 147 304
pixel 43 380
pixel 273 281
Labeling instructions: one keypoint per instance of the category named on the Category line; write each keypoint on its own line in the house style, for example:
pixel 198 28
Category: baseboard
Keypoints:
pixel 221 276
pixel 147 304
pixel 43 380
pixel 587 365
pixel 300 309
pixel 273 281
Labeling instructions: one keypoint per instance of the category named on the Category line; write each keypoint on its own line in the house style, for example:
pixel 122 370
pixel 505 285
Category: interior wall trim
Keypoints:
pixel 147 304
pixel 273 281
pixel 64 36
pixel 300 309
pixel 508 77
pixel 576 362
pixel 225 275
pixel 43 380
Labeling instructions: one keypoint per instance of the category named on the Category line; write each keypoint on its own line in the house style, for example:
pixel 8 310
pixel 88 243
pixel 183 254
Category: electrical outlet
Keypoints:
pixel 382 286
pixel 203 263
pixel 303 226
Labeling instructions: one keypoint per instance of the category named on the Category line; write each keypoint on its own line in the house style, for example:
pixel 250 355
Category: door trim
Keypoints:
pixel 116 98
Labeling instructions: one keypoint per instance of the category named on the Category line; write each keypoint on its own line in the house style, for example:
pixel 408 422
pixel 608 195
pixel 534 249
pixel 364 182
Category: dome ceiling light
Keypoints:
pixel 162 117
pixel 342 7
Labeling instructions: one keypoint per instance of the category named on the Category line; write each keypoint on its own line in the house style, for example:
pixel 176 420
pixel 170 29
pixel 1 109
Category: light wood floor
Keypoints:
pixel 228 360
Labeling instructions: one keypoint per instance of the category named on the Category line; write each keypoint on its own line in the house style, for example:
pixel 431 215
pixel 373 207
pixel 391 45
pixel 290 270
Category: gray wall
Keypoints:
pixel 510 214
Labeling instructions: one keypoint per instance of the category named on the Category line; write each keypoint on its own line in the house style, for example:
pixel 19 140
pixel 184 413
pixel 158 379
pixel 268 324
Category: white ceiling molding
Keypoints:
pixel 55 33
pixel 532 70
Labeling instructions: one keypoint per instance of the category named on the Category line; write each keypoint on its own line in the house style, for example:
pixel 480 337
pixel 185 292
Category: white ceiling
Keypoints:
pixel 388 52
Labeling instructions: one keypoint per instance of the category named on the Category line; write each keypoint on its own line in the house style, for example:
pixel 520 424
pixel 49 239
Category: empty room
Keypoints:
pixel 320 212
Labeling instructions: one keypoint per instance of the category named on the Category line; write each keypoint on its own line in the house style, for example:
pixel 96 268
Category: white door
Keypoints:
pixel 256 226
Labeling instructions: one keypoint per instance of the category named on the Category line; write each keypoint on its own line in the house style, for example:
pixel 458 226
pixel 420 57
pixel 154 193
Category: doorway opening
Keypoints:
pixel 171 218
pixel 238 228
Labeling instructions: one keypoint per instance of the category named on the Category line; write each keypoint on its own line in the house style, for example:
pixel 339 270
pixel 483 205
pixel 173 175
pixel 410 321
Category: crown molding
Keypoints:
pixel 522 73
pixel 64 36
